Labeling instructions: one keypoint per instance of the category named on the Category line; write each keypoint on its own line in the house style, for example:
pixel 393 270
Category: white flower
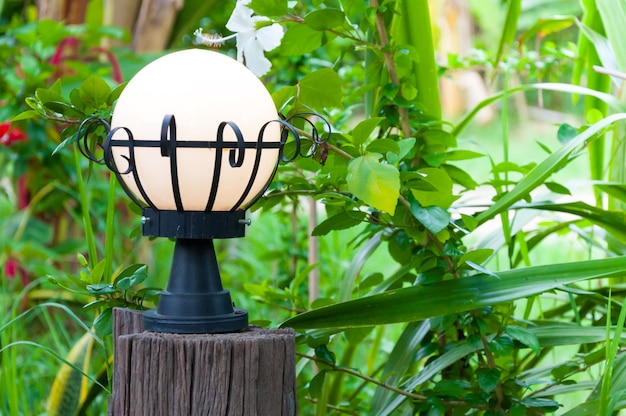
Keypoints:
pixel 253 37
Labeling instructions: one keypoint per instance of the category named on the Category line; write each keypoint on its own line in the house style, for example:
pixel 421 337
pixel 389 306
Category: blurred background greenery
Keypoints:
pixel 59 215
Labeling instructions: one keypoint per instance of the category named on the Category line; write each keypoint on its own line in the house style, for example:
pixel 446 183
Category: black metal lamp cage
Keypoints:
pixel 195 300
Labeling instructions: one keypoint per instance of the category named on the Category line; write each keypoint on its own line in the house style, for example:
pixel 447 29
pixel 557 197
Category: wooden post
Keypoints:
pixel 251 372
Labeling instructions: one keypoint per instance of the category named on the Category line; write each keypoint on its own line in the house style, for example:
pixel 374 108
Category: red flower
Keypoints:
pixel 10 135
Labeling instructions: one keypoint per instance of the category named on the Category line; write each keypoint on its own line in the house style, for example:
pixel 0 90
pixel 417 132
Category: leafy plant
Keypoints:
pixel 429 302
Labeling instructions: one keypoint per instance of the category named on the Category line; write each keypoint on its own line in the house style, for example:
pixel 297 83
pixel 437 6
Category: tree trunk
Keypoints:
pixel 72 12
pixel 154 24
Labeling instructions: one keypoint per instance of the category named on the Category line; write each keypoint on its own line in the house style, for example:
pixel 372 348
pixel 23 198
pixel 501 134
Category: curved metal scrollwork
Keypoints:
pixel 168 144
pixel 85 130
pixel 313 135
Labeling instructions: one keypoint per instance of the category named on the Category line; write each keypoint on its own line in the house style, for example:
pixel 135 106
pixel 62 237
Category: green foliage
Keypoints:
pixel 397 174
pixel 375 183
pixel 454 296
pixel 54 75
pixel 424 307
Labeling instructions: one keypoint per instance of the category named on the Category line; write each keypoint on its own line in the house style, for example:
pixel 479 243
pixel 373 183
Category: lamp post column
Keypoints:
pixel 195 300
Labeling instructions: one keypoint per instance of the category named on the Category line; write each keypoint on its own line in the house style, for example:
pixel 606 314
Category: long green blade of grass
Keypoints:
pixel 84 202
pixel 64 308
pixel 612 345
pixel 396 364
pixel 55 355
pixel 513 12
pixel 614 103
pixel 448 358
pixel 538 175
pixel 613 13
pixel 454 296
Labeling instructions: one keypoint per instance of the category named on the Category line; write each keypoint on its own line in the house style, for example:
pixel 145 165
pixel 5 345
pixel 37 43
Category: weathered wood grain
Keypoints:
pixel 251 372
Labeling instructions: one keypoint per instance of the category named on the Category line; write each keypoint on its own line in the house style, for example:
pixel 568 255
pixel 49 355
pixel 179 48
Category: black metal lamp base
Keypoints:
pixel 233 322
pixel 195 301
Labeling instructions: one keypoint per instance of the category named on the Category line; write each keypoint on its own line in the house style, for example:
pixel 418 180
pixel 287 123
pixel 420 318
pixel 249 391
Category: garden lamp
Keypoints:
pixel 195 140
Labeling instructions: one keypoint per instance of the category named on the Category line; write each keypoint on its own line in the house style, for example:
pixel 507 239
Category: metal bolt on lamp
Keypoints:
pixel 194 140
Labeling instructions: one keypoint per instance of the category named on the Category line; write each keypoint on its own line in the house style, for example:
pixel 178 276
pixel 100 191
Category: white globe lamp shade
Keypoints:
pixel 201 89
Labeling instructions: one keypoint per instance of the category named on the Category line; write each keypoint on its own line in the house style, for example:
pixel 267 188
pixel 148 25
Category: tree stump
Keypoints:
pixel 251 372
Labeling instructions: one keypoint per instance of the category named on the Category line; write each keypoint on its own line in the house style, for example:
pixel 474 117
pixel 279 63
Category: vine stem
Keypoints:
pixel 363 376
pixel 332 407
pixel 386 386
pixel 391 66
pixel 492 365
pixel 357 40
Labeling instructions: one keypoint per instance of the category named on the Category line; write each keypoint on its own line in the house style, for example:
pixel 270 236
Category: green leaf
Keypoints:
pixel 115 94
pixel 383 146
pixel 469 222
pixel 488 379
pixel 324 19
pixel 364 129
pixel 96 272
pixel 76 100
pixel 269 7
pixel 82 260
pixel 131 276
pixel 283 96
pixel 101 289
pixel 566 133
pixel 65 144
pixel 322 352
pixel 454 296
pixel 460 176
pixel 341 221
pixel 95 304
pixel 544 27
pixel 405 146
pixel 434 218
pixel 64 109
pixel 441 195
pixel 375 183
pixel 94 92
pixel 371 280
pixel 45 95
pixel 300 39
pixel 537 402
pixel 409 91
pixel 463 155
pixel 25 115
pixel 524 336
pixel 321 89
pixel 476 256
pixel 557 188
pixel 103 324
pixel 316 384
